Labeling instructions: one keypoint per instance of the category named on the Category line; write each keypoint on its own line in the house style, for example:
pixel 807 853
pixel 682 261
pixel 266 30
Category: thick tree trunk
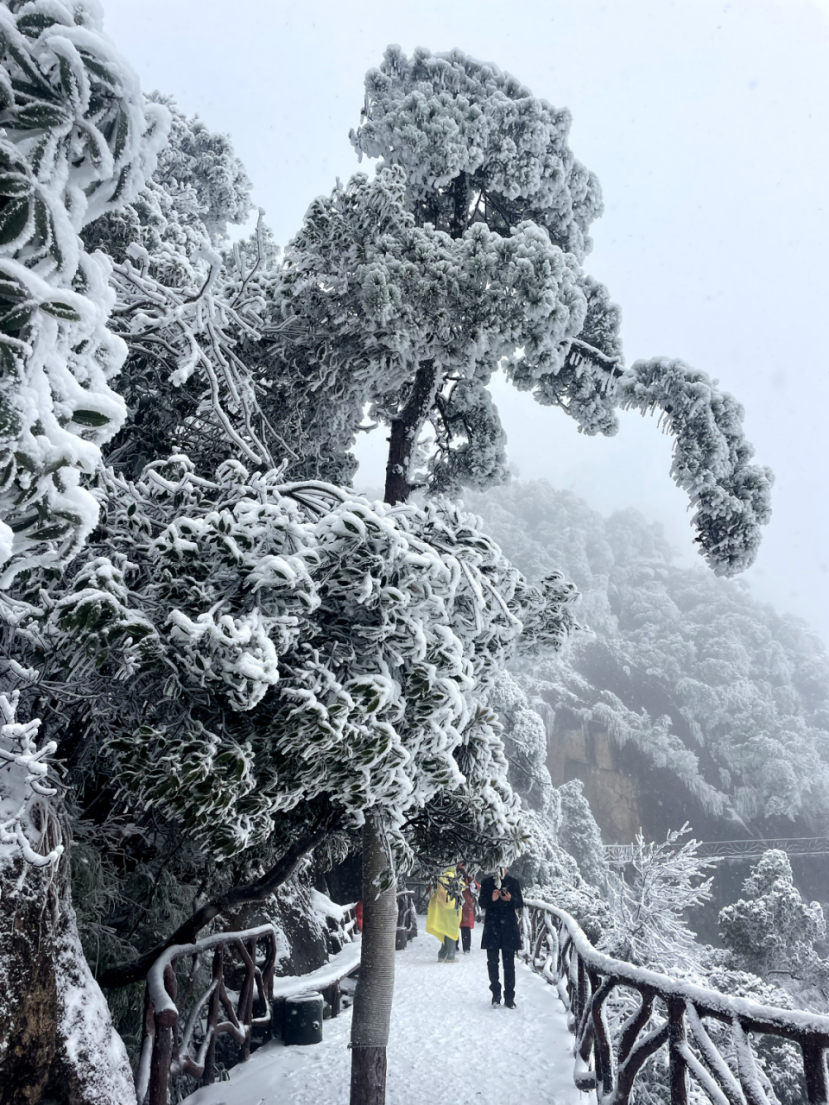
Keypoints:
pixel 368 1076
pixel 405 430
pixel 57 1042
pixel 375 986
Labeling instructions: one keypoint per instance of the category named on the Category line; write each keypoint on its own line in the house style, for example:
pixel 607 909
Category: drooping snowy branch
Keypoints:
pixel 730 496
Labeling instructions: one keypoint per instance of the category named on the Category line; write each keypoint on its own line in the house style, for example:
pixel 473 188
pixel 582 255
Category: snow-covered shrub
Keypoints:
pixel 78 141
pixel 649 927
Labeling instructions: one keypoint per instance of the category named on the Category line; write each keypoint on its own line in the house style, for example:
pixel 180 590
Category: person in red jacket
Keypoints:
pixel 470 894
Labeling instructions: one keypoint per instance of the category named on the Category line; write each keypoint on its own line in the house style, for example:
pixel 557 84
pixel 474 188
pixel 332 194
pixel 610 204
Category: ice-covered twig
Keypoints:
pixel 23 784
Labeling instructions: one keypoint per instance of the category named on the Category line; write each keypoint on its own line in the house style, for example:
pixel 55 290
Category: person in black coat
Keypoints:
pixel 500 899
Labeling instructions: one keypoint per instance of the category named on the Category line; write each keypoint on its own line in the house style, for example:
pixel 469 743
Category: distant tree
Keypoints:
pixel 721 700
pixel 772 930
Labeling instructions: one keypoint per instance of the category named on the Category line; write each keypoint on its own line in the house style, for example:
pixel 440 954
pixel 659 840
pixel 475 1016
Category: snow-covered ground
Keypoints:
pixel 447 1044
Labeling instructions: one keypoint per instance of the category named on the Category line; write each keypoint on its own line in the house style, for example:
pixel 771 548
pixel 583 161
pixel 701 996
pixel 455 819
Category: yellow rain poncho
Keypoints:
pixel 444 915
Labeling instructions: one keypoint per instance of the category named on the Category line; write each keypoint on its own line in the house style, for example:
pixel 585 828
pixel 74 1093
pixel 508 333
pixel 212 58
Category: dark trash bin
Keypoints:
pixel 302 1019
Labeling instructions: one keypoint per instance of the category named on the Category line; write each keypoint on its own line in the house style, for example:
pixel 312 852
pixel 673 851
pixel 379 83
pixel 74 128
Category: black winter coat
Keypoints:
pixel 501 928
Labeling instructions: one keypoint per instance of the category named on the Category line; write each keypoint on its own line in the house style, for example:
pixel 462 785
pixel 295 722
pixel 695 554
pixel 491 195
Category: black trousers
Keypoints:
pixel 466 938
pixel 508 956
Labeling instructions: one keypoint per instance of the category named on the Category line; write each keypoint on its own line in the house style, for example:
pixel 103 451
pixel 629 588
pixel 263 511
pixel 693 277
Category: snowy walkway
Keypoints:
pixel 447 1045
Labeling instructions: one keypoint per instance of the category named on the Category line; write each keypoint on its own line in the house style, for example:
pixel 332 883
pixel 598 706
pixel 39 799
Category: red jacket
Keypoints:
pixel 468 909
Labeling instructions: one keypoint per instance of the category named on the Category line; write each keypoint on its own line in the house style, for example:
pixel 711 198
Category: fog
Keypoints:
pixel 707 126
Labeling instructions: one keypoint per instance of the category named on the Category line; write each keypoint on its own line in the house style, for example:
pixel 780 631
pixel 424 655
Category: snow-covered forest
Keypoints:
pixel 233 686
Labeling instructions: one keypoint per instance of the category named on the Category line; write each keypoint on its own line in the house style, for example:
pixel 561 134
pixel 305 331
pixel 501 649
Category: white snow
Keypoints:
pixel 447 1044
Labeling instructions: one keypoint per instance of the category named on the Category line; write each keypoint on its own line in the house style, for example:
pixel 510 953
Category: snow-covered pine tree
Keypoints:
pixel 772 931
pixel 477 149
pixel 77 141
pixel 649 925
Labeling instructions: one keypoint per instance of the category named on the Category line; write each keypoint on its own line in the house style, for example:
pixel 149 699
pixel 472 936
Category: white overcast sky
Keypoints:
pixel 708 126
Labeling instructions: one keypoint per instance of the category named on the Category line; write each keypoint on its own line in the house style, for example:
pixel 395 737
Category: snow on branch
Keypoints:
pixel 711 461
pixel 23 773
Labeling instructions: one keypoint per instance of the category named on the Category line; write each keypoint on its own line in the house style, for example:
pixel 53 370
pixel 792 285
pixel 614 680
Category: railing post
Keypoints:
pixel 244 1008
pixel 209 1076
pixel 678 1068
pixel 163 1045
pixel 602 1051
pixel 814 1067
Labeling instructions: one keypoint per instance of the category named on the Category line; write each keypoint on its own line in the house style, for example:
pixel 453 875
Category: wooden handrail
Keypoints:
pixel 171 1049
pixel 671 1013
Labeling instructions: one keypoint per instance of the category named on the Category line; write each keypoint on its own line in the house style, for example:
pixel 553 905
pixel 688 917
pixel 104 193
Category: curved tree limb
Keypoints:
pixel 256 891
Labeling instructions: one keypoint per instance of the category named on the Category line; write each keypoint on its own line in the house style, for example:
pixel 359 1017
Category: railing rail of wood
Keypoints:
pixel 667 1013
pixel 406 914
pixel 182 1024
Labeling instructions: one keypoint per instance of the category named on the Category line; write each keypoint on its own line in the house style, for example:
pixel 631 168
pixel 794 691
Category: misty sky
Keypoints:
pixel 708 126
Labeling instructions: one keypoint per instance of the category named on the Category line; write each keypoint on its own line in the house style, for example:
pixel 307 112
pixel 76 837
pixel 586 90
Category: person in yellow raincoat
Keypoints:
pixel 443 918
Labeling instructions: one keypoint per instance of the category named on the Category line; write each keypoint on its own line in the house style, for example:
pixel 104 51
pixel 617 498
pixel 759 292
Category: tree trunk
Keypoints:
pixel 460 212
pixel 405 430
pixel 57 1043
pixel 375 986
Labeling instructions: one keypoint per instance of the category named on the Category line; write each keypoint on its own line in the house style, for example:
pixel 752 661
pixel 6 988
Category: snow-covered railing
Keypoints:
pixel 669 1013
pixel 715 850
pixel 406 913
pixel 181 1029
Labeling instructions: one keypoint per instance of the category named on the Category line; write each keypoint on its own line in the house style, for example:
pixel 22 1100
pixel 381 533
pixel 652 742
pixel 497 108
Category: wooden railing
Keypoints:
pixel 183 1022
pixel 666 1013
pixel 406 915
